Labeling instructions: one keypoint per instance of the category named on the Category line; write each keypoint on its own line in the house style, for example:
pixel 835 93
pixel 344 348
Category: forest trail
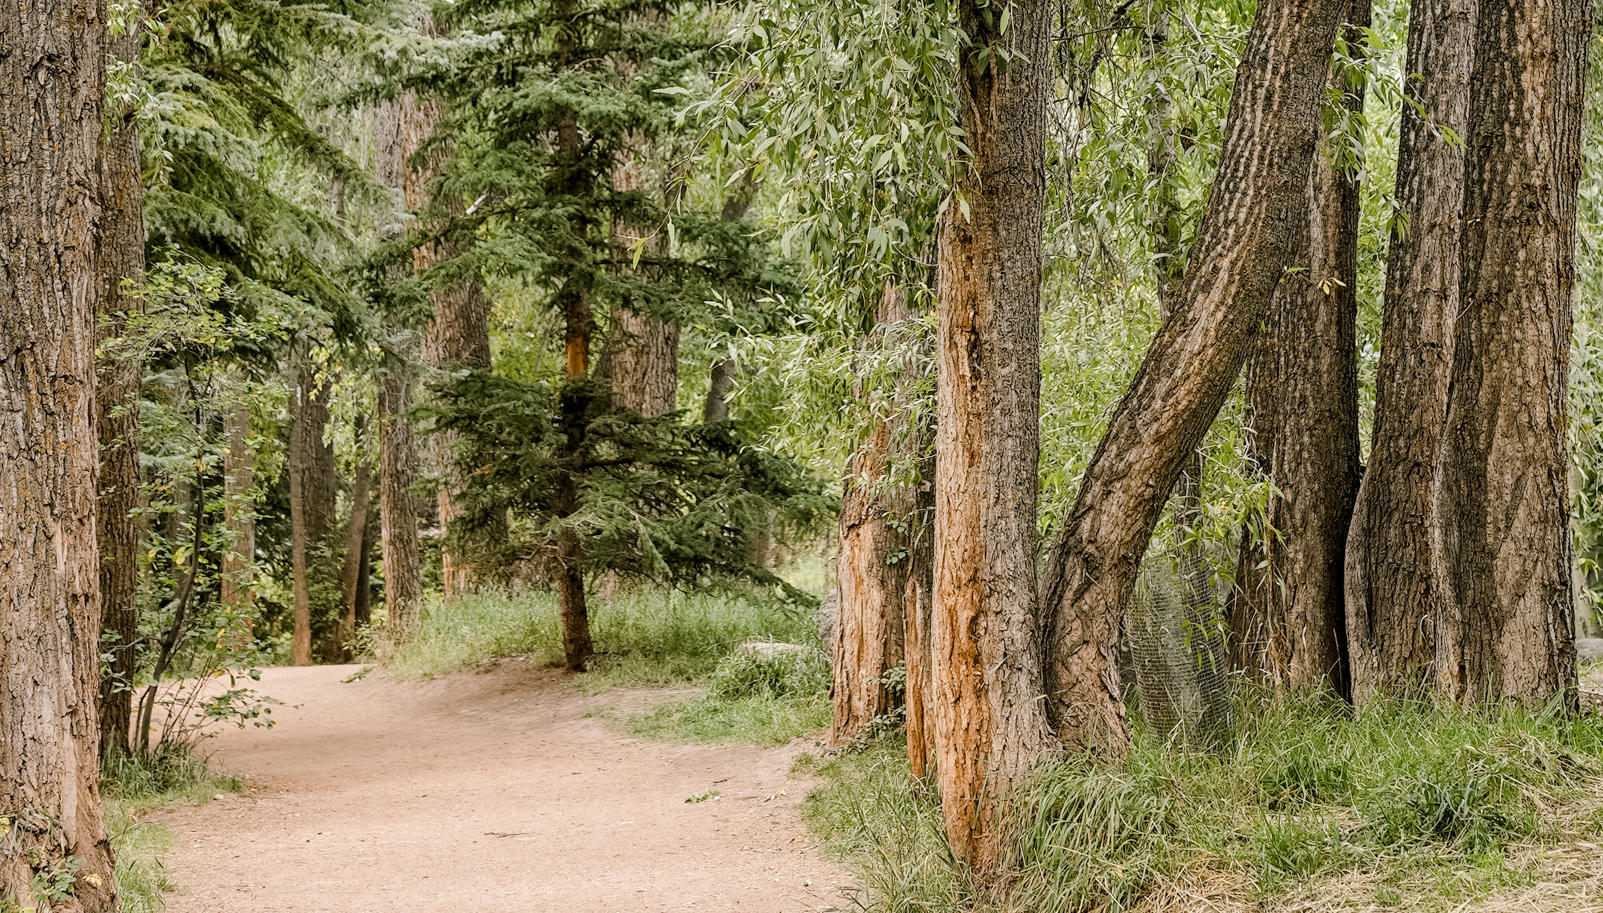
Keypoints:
pixel 486 791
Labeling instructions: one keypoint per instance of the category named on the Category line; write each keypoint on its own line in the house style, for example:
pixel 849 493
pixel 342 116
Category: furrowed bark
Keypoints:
pixel 1392 556
pixel 239 477
pixel 52 86
pixel 1507 630
pixel 1302 413
pixel 1241 250
pixel 118 375
pixel 988 724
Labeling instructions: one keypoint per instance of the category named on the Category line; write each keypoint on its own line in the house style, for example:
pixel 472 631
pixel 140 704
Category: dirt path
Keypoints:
pixel 486 792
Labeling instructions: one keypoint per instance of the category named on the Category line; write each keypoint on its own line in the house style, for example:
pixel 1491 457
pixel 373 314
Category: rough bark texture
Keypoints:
pixel 988 723
pixel 1392 601
pixel 1241 250
pixel 398 534
pixel 458 336
pixel 122 268
pixel 239 477
pixel 52 82
pixel 310 493
pixel 721 385
pixel 1289 612
pixel 871 573
pixel 355 557
pixel 1508 627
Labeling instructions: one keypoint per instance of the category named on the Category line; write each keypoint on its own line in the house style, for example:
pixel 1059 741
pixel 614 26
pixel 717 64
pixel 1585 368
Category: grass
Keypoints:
pixel 1408 808
pixel 132 784
pixel 644 637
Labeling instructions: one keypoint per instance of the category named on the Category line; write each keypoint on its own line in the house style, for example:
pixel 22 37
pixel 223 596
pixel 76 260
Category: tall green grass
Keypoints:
pixel 132 784
pixel 1408 807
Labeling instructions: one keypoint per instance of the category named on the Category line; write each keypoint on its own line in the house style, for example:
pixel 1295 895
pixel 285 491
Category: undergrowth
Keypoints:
pixel 1409 807
pixel 135 783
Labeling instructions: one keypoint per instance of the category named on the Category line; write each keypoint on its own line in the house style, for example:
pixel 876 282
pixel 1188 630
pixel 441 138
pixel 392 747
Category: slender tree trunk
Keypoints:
pixel 1302 415
pixel 239 477
pixel 1187 373
pixel 988 724
pixel 306 516
pixel 398 533
pixel 52 82
pixel 118 375
pixel 872 567
pixel 1508 628
pixel 355 552
pixel 364 578
pixel 1392 558
pixel 918 605
pixel 716 408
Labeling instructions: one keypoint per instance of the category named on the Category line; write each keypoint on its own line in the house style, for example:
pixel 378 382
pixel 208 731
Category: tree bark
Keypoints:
pixel 52 85
pixel 988 725
pixel 239 477
pixel 1508 626
pixel 871 572
pixel 1392 558
pixel 1302 417
pixel 1241 250
pixel 118 376
pixel 355 557
pixel 308 516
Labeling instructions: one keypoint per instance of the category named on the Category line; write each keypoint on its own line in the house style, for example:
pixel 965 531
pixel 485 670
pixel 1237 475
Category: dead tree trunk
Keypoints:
pixel 1302 416
pixel 989 727
pixel 1508 629
pixel 1187 373
pixel 52 82
pixel 1392 557
pixel 118 375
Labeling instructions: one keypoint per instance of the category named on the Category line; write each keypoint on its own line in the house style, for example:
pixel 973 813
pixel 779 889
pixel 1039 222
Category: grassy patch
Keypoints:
pixel 1408 808
pixel 751 697
pixel 133 784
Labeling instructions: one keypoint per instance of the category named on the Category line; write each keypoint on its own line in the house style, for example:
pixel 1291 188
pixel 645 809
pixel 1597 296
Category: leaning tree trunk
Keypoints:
pixel 458 336
pixel 1240 253
pixel 118 375
pixel 52 82
pixel 398 533
pixel 988 724
pixel 1508 629
pixel 871 572
pixel 1392 558
pixel 1302 417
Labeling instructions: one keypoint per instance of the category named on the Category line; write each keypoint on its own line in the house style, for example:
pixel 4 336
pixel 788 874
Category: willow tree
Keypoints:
pixel 52 83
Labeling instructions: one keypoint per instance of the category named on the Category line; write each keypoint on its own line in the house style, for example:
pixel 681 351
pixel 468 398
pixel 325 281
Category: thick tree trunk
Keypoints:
pixel 239 477
pixel 122 266
pixel 307 491
pixel 52 82
pixel 988 723
pixel 398 533
pixel 458 336
pixel 1302 416
pixel 1392 558
pixel 1508 628
pixel 872 567
pixel 1241 250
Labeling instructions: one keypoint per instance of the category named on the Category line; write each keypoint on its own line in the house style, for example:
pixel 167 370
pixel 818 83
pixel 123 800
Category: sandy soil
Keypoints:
pixel 487 792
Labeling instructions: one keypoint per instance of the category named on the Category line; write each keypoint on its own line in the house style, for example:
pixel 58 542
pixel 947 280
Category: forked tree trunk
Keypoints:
pixel 1302 416
pixel 398 534
pixel 118 375
pixel 1392 558
pixel 988 724
pixel 1508 629
pixel 1240 253
pixel 871 573
pixel 52 82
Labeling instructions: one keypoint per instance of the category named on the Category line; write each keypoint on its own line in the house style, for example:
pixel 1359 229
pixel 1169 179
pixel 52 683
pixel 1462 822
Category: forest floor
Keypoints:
pixel 498 790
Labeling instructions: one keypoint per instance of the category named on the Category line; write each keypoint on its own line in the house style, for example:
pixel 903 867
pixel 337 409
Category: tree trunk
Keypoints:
pixel 398 534
pixel 458 336
pixel 1508 629
pixel 1392 557
pixel 364 578
pixel 308 518
pixel 988 724
pixel 355 552
pixel 918 605
pixel 1187 373
pixel 122 266
pixel 1302 416
pixel 239 477
pixel 872 567
pixel 716 408
pixel 52 82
